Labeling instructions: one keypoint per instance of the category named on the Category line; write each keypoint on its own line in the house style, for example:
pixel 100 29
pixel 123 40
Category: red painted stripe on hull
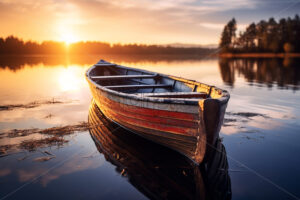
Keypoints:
pixel 186 146
pixel 147 111
pixel 148 124
pixel 155 119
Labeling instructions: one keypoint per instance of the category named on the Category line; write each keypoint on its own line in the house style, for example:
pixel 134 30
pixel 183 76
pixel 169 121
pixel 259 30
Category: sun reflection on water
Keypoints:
pixel 71 78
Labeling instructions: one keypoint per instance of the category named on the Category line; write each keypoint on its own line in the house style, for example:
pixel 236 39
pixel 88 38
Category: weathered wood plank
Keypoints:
pixel 149 124
pixel 155 119
pixel 138 86
pixel 174 94
pixel 105 65
pixel 186 145
pixel 122 77
pixel 148 111
pixel 189 141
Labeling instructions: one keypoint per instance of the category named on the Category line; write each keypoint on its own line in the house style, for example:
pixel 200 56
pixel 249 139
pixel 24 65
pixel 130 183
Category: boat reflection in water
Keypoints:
pixel 156 171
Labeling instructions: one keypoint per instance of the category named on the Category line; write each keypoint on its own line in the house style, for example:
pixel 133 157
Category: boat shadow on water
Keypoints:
pixel 156 171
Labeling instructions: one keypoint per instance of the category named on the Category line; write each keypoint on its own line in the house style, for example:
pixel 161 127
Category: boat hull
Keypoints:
pixel 181 114
pixel 179 127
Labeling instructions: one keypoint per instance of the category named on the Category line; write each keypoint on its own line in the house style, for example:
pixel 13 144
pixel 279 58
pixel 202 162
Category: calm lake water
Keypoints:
pixel 260 137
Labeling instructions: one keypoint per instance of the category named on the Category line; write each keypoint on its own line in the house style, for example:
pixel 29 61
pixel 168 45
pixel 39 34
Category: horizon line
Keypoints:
pixel 214 45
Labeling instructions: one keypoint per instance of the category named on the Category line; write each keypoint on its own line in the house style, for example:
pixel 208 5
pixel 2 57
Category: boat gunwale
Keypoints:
pixel 186 101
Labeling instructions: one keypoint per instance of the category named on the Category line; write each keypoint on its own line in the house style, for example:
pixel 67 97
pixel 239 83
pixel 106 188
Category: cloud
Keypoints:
pixel 127 21
pixel 212 5
pixel 212 25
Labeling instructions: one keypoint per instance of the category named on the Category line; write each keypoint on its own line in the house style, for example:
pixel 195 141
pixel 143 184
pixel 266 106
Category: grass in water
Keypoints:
pixel 32 104
pixel 54 136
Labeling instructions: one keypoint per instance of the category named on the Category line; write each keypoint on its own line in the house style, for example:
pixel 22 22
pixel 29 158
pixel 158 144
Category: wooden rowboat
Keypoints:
pixel 181 114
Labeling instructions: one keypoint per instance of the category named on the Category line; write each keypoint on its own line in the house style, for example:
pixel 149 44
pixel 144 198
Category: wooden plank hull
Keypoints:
pixel 183 132
pixel 184 125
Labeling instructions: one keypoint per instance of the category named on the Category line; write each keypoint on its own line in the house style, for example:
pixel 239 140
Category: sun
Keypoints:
pixel 68 36
pixel 69 39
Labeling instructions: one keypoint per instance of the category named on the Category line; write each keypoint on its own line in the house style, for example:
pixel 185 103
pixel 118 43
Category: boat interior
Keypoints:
pixel 144 83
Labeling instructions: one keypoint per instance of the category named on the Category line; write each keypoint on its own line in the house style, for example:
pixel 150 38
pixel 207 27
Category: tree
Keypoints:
pixel 265 36
pixel 272 36
pixel 249 38
pixel 228 36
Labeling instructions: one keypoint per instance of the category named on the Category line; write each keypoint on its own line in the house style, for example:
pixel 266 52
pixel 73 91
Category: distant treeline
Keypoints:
pixel 14 45
pixel 266 36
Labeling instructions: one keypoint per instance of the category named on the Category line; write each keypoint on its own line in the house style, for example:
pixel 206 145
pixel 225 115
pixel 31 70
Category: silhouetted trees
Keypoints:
pixel 13 45
pixel 228 36
pixel 266 36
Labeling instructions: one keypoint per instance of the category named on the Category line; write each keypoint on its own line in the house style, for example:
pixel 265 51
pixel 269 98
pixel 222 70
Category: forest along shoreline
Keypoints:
pixel 265 39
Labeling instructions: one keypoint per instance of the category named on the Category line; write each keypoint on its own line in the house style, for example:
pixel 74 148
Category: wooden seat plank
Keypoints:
pixel 122 77
pixel 138 86
pixel 105 65
pixel 175 94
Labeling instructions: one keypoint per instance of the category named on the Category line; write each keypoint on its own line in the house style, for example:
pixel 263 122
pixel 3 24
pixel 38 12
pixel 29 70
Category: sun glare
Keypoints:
pixel 68 36
pixel 70 79
pixel 69 39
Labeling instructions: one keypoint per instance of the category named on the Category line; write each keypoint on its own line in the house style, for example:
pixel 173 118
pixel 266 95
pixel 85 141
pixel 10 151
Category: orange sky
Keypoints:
pixel 131 21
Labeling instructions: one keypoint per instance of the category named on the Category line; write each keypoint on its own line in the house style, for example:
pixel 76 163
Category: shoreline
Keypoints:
pixel 259 55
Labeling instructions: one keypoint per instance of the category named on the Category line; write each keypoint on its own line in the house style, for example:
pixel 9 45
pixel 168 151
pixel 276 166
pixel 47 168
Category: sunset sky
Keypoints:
pixel 134 21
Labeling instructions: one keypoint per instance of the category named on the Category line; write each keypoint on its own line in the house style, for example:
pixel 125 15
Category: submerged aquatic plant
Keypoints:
pixel 32 104
pixel 54 136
